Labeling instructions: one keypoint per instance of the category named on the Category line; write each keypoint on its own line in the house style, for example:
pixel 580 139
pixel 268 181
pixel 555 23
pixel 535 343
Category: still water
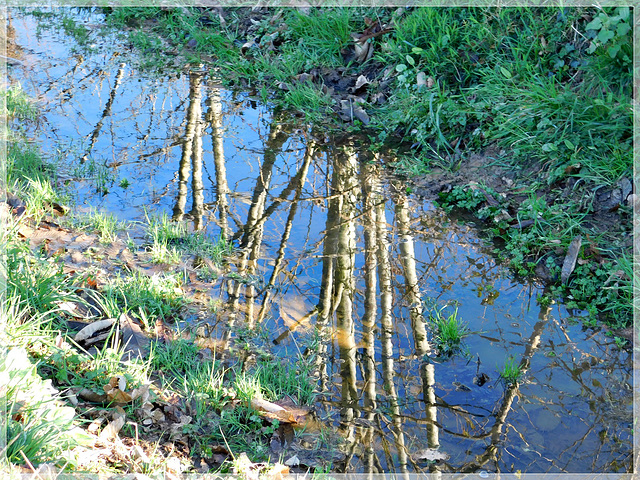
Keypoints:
pixel 338 251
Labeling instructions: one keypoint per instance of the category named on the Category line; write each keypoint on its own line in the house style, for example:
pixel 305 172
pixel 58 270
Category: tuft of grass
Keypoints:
pixel 278 380
pixel 449 332
pixel 159 296
pixel 511 372
pixel 105 224
pixel 309 100
pixel 18 105
pixel 171 239
pixel 37 284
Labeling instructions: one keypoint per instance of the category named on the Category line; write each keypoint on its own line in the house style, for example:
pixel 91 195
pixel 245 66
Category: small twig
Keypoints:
pixel 29 464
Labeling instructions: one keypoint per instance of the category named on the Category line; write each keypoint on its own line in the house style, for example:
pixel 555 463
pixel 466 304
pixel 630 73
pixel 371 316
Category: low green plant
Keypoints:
pixel 170 239
pixel 278 380
pixel 74 29
pixel 309 100
pixel 105 224
pixel 37 283
pixel 449 332
pixel 17 104
pixel 613 31
pixel 38 429
pixel 158 296
pixel 511 372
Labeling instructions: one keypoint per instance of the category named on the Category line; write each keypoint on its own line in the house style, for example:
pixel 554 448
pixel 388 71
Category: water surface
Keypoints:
pixel 333 248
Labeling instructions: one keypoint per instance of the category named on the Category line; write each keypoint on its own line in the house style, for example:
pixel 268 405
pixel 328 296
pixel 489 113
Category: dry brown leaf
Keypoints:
pixel 277 472
pixel 141 392
pixel 361 81
pixel 92 396
pixel 112 429
pixel 135 341
pixel 360 114
pixel 93 329
pixel 570 259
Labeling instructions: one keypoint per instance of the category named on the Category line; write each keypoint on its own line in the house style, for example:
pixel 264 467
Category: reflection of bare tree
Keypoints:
pixel 105 113
pixel 214 118
pixel 368 177
pixel 327 288
pixel 251 239
pixel 301 176
pixel 197 189
pixel 191 148
pixel 414 299
pixel 408 258
pixel 386 332
pixel 511 392
pixel 344 180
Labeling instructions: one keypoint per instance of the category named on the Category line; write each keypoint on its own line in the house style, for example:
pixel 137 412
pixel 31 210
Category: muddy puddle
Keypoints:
pixel 335 251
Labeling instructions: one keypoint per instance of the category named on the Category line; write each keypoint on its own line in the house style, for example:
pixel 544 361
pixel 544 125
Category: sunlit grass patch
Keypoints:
pixel 159 296
pixel 105 224
pixel 172 239
pixel 38 428
pixel 308 99
pixel 39 285
pixel 448 332
pixel 511 372
pixel 18 104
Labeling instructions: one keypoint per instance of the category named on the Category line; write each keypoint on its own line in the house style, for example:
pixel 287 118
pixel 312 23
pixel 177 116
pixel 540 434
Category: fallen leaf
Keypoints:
pixel 277 472
pixel 429 455
pixel 360 114
pixel 112 429
pixel 570 259
pixel 92 396
pixel 361 81
pixel 135 341
pixel 93 329
pixel 141 392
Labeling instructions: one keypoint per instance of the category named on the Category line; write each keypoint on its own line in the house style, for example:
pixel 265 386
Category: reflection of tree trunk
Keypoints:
pixel 327 293
pixel 197 209
pixel 428 374
pixel 302 175
pixel 345 175
pixel 412 289
pixel 214 117
pixel 252 238
pixel 386 332
pixel 105 113
pixel 369 179
pixel 414 298
pixel 509 396
pixel 189 144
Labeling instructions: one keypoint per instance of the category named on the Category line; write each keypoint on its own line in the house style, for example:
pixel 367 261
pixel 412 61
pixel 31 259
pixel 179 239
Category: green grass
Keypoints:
pixel 448 332
pixel 308 100
pixel 38 428
pixel 222 397
pixel 170 240
pixel 158 296
pixel 37 283
pixel 603 290
pixel 104 224
pixel 18 105
pixel 511 372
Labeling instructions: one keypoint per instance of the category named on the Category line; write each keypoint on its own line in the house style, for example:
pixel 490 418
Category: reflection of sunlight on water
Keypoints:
pixel 332 248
